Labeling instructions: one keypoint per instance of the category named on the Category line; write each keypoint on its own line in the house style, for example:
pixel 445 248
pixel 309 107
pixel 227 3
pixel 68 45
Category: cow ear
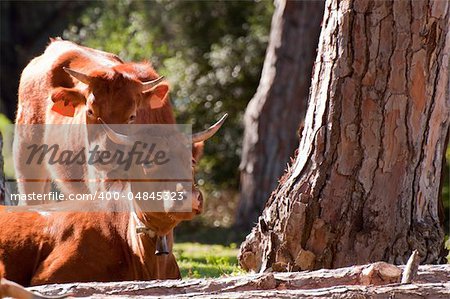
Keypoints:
pixel 156 96
pixel 65 100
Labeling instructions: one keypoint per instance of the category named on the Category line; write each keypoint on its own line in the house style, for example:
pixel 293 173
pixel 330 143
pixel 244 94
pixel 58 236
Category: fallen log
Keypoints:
pixel 373 280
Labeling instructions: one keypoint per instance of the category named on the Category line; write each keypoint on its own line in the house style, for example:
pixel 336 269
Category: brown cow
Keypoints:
pixel 47 90
pixel 57 247
pixel 71 84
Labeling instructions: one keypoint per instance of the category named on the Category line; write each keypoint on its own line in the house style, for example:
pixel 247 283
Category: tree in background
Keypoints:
pixel 25 30
pixel 212 53
pixel 365 183
pixel 273 116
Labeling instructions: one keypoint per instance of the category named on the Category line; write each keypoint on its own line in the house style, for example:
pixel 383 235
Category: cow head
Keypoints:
pixel 114 95
pixel 110 94
pixel 174 144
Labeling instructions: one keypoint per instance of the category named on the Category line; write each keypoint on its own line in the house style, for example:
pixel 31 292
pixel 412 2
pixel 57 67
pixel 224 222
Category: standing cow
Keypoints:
pixel 74 85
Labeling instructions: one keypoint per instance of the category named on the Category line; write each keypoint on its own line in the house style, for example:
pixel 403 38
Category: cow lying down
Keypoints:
pixel 57 247
pixel 70 84
pixel 40 247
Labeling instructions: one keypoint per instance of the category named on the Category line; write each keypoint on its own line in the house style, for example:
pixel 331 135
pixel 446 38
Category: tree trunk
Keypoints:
pixel 365 184
pixel 279 105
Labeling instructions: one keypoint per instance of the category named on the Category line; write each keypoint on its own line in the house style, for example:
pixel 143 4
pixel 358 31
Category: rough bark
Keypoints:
pixel 273 116
pixel 430 282
pixel 365 184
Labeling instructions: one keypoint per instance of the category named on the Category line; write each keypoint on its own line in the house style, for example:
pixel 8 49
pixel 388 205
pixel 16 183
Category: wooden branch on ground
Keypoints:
pixel 378 279
pixel 411 267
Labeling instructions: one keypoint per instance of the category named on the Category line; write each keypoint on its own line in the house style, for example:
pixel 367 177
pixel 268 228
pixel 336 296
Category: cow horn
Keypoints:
pixel 146 86
pixel 208 133
pixel 115 137
pixel 77 75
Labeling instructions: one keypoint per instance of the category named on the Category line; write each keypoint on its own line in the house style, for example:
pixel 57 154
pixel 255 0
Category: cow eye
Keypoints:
pixel 90 113
pixel 147 165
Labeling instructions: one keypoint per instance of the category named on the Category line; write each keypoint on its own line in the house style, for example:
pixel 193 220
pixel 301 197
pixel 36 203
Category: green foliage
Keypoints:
pixel 211 52
pixel 6 128
pixel 445 193
pixel 198 260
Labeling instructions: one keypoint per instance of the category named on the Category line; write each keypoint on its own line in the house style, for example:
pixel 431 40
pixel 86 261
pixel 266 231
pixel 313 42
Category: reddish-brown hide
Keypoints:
pixel 113 94
pixel 41 248
pixel 109 89
pixel 63 247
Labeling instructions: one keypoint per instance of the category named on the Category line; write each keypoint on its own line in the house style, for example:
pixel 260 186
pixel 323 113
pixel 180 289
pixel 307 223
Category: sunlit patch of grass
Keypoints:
pixel 7 132
pixel 199 260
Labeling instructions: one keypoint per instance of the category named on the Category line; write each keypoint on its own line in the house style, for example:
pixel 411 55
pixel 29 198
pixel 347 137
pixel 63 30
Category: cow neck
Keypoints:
pixel 138 235
pixel 140 227
pixel 136 223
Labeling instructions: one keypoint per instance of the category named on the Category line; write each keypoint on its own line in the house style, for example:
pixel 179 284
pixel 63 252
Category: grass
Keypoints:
pixel 202 261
